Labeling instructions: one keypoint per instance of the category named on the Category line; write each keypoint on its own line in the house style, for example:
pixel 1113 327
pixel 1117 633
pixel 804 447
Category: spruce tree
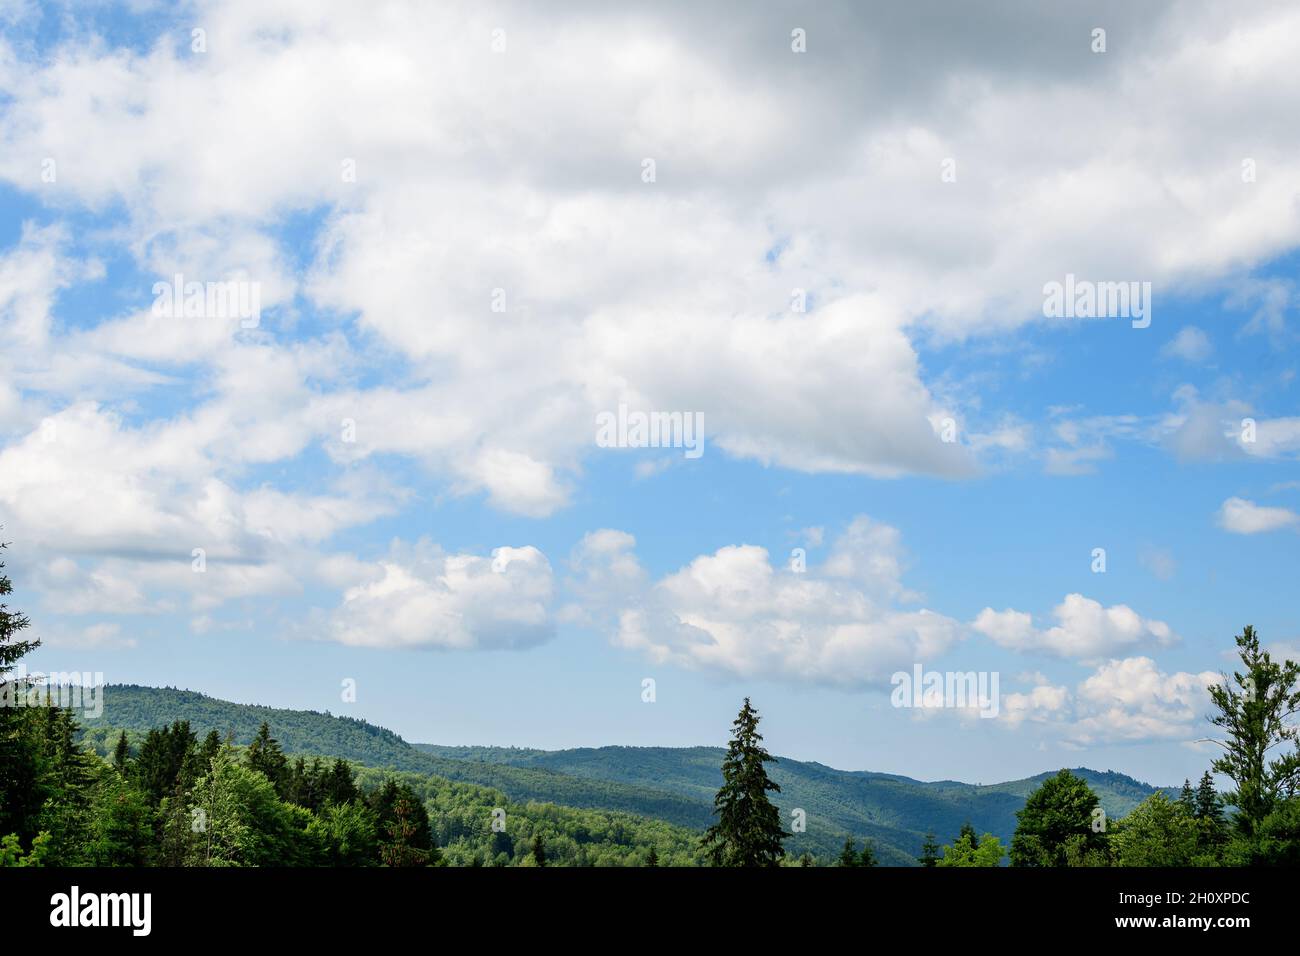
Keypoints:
pixel 539 850
pixel 868 857
pixel 1255 710
pixel 1187 798
pixel 121 754
pixel 653 858
pixel 748 831
pixel 1208 804
pixel 20 794
pixel 265 756
pixel 849 855
pixel 929 851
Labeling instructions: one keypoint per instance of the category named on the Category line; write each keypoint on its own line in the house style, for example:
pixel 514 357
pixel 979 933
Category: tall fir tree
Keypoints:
pixel 266 757
pixel 849 855
pixel 121 754
pixel 748 831
pixel 539 850
pixel 1255 711
pixel 20 772
pixel 929 851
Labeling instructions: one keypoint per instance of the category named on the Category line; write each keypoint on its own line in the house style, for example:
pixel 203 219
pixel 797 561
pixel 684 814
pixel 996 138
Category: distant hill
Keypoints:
pixel 674 784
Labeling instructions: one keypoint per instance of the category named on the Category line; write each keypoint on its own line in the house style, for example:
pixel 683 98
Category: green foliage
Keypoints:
pixel 676 785
pixel 967 850
pixel 1056 826
pixel 20 791
pixel 1255 709
pixel 929 852
pixel 748 831
pixel 11 851
pixel 1160 832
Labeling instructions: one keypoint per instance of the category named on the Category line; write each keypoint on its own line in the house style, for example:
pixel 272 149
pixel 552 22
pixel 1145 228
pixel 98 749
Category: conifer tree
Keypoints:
pixel 748 831
pixel 929 851
pixel 539 850
pixel 1187 798
pixel 20 795
pixel 1208 804
pixel 1255 710
pixel 121 754
pixel 653 858
pixel 265 756
pixel 849 855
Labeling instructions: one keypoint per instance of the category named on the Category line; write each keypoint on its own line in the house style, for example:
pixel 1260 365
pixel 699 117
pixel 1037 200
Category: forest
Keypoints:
pixel 170 796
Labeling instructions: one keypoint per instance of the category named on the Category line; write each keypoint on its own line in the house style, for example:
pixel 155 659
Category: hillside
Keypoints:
pixel 675 785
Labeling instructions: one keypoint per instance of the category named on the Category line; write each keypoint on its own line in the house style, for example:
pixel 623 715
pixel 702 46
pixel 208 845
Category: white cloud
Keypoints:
pixel 1240 516
pixel 733 611
pixel 1085 630
pixel 1132 700
pixel 422 597
pixel 1190 344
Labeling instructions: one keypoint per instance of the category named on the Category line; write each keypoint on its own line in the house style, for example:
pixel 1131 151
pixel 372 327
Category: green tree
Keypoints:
pixel 849 855
pixel 1188 797
pixel 1255 709
pixel 1055 826
pixel 966 850
pixel 121 754
pixel 929 851
pixel 748 831
pixel 266 757
pixel 20 792
pixel 237 820
pixel 539 850
pixel 652 859
pixel 404 823
pixel 1158 832
pixel 121 825
pixel 348 833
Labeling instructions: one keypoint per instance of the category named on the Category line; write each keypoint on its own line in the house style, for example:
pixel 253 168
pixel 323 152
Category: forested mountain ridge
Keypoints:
pixel 675 785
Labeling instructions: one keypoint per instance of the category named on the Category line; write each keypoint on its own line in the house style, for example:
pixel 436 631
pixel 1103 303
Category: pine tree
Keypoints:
pixel 1208 804
pixel 1187 798
pixel 339 786
pixel 748 831
pixel 539 850
pixel 265 756
pixel 20 794
pixel 868 857
pixel 121 754
pixel 1256 716
pixel 929 851
pixel 849 855
pixel 653 858
pixel 967 832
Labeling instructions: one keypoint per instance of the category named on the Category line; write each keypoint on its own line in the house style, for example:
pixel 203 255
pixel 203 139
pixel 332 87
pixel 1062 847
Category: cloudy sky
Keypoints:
pixel 467 231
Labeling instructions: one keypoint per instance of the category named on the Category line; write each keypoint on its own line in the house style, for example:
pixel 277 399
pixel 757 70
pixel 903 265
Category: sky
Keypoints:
pixel 425 250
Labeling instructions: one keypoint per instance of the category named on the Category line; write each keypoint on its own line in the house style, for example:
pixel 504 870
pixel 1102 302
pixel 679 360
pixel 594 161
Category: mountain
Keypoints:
pixel 673 784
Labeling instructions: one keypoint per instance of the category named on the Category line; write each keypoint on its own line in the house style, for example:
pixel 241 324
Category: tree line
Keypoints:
pixel 169 798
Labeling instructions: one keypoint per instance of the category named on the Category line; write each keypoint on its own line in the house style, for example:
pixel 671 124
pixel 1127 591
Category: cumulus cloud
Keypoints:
pixel 734 611
pixel 422 597
pixel 1085 630
pixel 1125 700
pixel 1240 516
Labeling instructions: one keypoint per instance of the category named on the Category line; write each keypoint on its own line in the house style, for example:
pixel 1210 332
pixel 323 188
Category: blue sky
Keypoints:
pixel 470 556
